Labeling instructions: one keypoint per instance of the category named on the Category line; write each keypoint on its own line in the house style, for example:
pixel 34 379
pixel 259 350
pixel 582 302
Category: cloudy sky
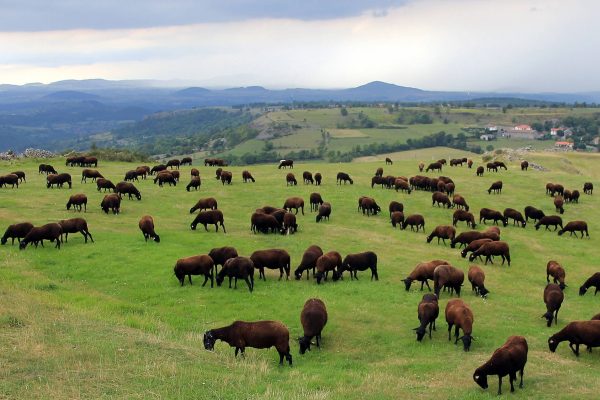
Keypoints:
pixel 528 45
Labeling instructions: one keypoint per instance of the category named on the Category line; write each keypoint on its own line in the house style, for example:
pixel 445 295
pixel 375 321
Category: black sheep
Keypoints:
pixel 313 318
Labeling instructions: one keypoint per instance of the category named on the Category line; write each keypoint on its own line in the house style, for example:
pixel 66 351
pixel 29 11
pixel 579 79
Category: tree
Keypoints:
pixel 489 147
pixel 344 112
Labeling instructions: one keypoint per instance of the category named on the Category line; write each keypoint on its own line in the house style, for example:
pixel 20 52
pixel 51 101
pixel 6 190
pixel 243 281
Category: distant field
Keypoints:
pixel 346 133
pixel 109 319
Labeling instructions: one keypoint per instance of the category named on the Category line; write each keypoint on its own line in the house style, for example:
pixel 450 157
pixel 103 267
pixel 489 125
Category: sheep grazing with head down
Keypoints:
pixel 194 265
pixel 575 226
pixel 16 231
pixel 594 281
pixel 308 262
pixel 557 272
pixel 422 273
pixel 491 249
pixel 427 311
pixel 442 232
pixel 506 360
pixel 553 297
pixel 237 268
pixel 477 277
pixel 313 318
pixel 577 333
pixel 328 262
pixel 146 225
pixel 447 276
pixel 359 262
pixel 459 315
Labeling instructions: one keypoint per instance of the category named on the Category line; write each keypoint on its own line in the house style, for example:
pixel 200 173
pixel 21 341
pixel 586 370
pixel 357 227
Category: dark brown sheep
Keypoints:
pixel 20 175
pixel 491 167
pixel 438 198
pixel 318 178
pixel 558 204
pixel 195 183
pixel 506 360
pixel 77 200
pixel 289 224
pixel 588 188
pixel 218 172
pixel 173 163
pixel 260 335
pixel 265 223
pixel 146 225
pixel 129 189
pixel 194 172
pixel 449 188
pixel 459 315
pixel 131 176
pixel 324 212
pixel 307 178
pixel 208 203
pixel 594 281
pixel 577 333
pixel 313 318
pixel 491 249
pixel 158 168
pixel 102 183
pixel 359 262
pixel 524 165
pixel 46 169
pixel 533 213
pixel 328 262
pixel 477 278
pixel 286 163
pixel 194 265
pixel 247 176
pixel 442 232
pixel 368 205
pixel 221 254
pixel 449 277
pixel 210 217
pixel 388 161
pixel 516 216
pixel 226 177
pixel 574 227
pixel 496 187
pixel 315 201
pixel 166 177
pixel 380 180
pixel 462 215
pixel 75 225
pixel 574 197
pixel 469 163
pixel 479 171
pixel 557 272
pixel 395 206
pixel 397 218
pixel 455 162
pixel 309 260
pixel 427 311
pixel 16 231
pixel 52 232
pixel 343 177
pixel 415 221
pixel 379 172
pixel 58 180
pixel 290 180
pixel 421 166
pixel 435 166
pixel 401 184
pixel 186 161
pixel 111 202
pixel 93 175
pixel 474 245
pixel 237 268
pixel 464 238
pixel 272 259
pixel 553 297
pixel 296 203
pixel 549 220
pixel 486 214
pixel 90 162
pixel 142 171
pixel 422 273
pixel 500 164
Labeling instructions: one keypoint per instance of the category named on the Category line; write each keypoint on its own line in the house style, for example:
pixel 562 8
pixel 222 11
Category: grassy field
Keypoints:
pixel 109 320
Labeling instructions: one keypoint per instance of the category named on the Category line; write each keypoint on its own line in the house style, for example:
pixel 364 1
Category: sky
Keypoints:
pixel 466 45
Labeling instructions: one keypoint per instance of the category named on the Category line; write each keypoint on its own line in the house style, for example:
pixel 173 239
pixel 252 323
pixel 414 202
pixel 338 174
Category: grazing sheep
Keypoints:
pixel 318 178
pixel 247 176
pixel 464 238
pixel 142 171
pixel 265 223
pixel 102 183
pixel 343 177
pixel 307 178
pixel 131 176
pixel 173 163
pixel 442 232
pixel 474 245
pixel 516 216
pixel 395 206
pixel 427 311
pixel 212 217
pixel 477 278
pixel 77 200
pixel 208 203
pixel 506 360
pixel 186 161
pixel 111 202
pixel 309 260
pixel 500 164
pixel 158 168
pixel 462 215
pixel 421 166
pixel 195 183
pixel 588 188
pixel 479 171
pixel 20 175
pixel 524 165
pixel 297 203
pixel 388 161
pixel 397 218
pixel 272 259
pixel 401 184
pixel 553 297
pixel 557 272
pixel 129 189
pixel 422 273
pixel 221 254
pixel 459 202
pixel 260 335
pixel 449 277
pixel 324 212
pixel 549 220
pixel 218 172
pixel 194 172
pixel 491 249
pixel 313 318
pixel 577 333
pixel 146 225
pixel 491 167
pixel 574 197
pixel 52 232
pixel 486 214
pixel 165 177
pixel 558 204
pixel 16 231
pixel 359 262
pixel 226 177
pixel 75 225
pixel 328 262
pixel 93 174
pixel 435 166
pixel 496 187
pixel 368 205
pixel 533 213
pixel 237 268
pixel 459 314
pixel 46 169
pixel 286 163
pixel 289 225
pixel 593 280
pixel 438 198
pixel 290 179
pixel 414 220
pixel 315 201
pixel 574 227
pixel 58 180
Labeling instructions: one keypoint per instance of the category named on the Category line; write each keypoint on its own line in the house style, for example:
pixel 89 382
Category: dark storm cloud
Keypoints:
pixel 43 15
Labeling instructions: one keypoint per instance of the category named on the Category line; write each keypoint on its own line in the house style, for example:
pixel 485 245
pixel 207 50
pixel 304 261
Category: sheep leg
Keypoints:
pixel 230 282
pixel 205 227
pixel 235 283
pixel 449 331
pixel 205 280
pixel 280 273
pixel 427 283
pixel 190 278
pixel 499 384
pixel 250 285
pixel 521 372
pixel 280 357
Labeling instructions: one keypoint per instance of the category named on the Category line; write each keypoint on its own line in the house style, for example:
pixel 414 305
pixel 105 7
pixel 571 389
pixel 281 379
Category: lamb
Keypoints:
pixel 75 225
pixel 549 220
pixel 77 200
pixel 212 217
pixel 422 273
pixel 593 280
pixel 553 297
pixel 194 265
pixel 459 314
pixel 557 272
pixel 496 187
pixel 237 268
pixel 574 227
pixel 313 318
pixel 577 333
pixel 490 249
pixel 16 231
pixel 477 277
pixel 324 212
pixel 309 260
pixel 506 360
pixel 359 262
pixel 516 216
pixel 260 335
pixel 427 311
pixel 442 232
pixel 146 225
pixel 52 232
pixel 247 176
pixel 449 277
